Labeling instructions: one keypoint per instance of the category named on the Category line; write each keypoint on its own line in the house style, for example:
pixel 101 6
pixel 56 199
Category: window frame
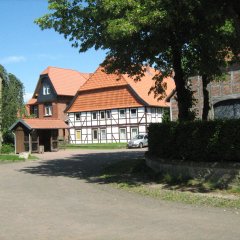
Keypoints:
pixel 93 113
pixel 108 114
pixel 133 115
pixel 46 89
pixel 122 115
pixel 94 130
pixel 104 115
pixel 48 110
pixel 125 129
pixel 77 118
pixel 103 129
pixel 132 132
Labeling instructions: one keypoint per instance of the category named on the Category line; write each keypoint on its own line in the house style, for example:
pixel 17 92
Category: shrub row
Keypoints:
pixel 211 141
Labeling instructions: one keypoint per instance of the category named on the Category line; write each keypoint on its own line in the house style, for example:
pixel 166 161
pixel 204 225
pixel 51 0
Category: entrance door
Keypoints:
pixel 45 139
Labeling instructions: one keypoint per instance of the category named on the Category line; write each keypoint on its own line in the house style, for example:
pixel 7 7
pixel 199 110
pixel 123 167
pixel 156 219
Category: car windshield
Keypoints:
pixel 138 137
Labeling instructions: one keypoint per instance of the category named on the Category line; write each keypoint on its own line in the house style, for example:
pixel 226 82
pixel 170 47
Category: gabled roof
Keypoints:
pixel 32 101
pixel 36 123
pixel 65 82
pixel 99 96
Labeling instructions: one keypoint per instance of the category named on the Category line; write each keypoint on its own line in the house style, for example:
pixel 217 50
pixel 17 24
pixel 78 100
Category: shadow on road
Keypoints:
pixel 82 166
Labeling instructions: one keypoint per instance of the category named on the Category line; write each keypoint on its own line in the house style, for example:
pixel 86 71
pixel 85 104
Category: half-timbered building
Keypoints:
pixel 114 108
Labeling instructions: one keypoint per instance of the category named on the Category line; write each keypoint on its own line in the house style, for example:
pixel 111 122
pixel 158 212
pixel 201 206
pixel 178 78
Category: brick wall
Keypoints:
pixel 229 88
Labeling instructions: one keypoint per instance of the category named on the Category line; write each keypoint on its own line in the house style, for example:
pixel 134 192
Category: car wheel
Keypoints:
pixel 140 145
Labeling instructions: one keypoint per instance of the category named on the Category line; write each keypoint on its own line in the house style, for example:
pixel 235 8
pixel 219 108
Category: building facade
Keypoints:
pixel 112 108
pixel 45 124
pixel 224 96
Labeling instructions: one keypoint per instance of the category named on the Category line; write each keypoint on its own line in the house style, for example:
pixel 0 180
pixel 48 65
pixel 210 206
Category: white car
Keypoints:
pixel 140 140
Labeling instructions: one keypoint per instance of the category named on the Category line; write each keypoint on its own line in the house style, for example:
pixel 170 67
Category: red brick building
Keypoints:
pixel 46 121
pixel 224 97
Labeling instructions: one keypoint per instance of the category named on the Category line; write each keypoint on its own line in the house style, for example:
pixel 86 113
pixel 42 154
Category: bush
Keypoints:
pixel 7 148
pixel 211 141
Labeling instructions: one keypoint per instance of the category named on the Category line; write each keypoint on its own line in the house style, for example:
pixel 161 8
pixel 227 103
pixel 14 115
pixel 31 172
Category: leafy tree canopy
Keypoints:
pixel 12 101
pixel 162 33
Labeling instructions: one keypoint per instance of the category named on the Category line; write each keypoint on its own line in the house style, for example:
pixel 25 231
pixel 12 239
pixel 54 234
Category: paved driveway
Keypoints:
pixel 55 199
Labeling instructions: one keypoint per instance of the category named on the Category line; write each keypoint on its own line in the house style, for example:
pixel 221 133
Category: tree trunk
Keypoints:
pixel 206 104
pixel 184 96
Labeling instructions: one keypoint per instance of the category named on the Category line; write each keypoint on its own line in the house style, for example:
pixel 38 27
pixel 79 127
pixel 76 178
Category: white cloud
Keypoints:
pixel 12 59
pixel 27 96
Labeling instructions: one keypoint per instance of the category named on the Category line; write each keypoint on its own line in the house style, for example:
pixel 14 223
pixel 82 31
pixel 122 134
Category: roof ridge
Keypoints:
pixel 93 74
pixel 69 69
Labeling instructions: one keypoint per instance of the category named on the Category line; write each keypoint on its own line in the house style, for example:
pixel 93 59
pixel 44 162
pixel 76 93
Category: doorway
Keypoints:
pixel 45 139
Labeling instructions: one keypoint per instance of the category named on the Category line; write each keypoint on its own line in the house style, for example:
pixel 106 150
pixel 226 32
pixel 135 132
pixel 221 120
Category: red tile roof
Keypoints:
pixel 109 98
pixel 66 82
pixel 32 101
pixel 95 94
pixel 36 123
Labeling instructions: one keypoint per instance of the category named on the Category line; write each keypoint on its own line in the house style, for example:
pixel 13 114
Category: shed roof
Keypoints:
pixel 36 123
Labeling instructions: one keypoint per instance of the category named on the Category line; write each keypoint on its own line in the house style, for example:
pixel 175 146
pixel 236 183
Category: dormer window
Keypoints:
pixel 46 89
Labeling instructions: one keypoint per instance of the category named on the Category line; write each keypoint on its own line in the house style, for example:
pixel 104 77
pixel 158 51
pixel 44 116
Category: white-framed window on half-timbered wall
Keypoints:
pixel 123 133
pixel 103 133
pixel 134 132
pixel 94 115
pixel 108 114
pixel 77 116
pixel 122 113
pixel 133 112
pixel 102 114
pixel 95 134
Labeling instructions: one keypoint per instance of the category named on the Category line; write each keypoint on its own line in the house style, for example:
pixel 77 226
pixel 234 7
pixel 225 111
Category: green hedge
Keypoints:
pixel 211 141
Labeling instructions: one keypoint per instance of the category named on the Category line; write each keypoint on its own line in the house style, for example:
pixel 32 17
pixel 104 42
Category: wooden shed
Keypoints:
pixel 38 135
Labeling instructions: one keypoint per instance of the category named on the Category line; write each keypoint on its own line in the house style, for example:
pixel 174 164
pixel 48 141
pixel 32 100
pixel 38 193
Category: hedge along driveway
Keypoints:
pixel 211 141
pixel 57 198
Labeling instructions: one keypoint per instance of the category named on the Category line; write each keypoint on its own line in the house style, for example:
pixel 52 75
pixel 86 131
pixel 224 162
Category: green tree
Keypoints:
pixel 12 102
pixel 160 33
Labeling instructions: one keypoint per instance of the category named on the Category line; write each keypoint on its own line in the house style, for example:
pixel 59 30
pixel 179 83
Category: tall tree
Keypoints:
pixel 12 101
pixel 154 32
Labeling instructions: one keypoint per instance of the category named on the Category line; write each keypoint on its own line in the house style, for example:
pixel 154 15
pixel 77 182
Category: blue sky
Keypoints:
pixel 26 50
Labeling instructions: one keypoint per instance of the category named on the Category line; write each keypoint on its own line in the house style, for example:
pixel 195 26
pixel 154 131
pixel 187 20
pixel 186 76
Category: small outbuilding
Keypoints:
pixel 38 135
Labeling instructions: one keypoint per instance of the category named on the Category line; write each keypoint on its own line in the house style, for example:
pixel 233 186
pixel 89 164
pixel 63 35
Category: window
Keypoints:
pixel 48 110
pixel 123 133
pixel 34 110
pixel 94 115
pixel 122 113
pixel 103 134
pixel 78 134
pixel 102 114
pixel 153 111
pixel 77 115
pixel 95 134
pixel 108 113
pixel 159 111
pixel 133 112
pixel 46 89
pixel 134 132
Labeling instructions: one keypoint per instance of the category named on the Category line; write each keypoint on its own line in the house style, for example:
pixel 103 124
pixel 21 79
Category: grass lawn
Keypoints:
pixel 14 158
pixel 135 176
pixel 97 146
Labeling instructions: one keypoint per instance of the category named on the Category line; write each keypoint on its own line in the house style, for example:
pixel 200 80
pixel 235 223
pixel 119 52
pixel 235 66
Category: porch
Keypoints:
pixel 39 135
